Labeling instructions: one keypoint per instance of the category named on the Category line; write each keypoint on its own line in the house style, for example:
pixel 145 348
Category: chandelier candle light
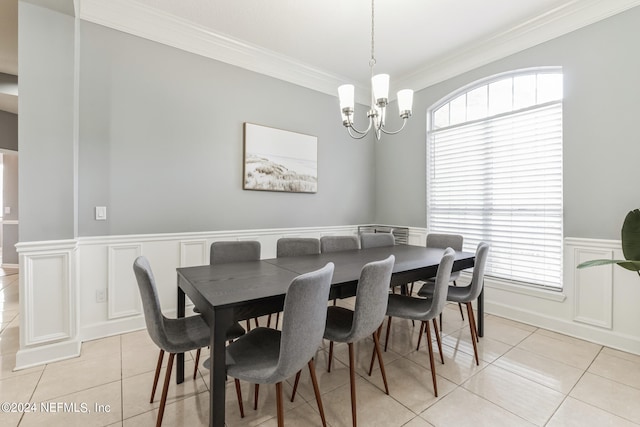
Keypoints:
pixel 379 100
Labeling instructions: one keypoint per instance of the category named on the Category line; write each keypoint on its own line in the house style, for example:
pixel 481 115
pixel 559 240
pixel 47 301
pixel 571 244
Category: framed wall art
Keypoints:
pixel 279 160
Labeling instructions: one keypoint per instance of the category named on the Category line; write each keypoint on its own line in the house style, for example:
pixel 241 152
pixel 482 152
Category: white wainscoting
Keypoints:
pixel 60 283
pixel 599 304
pixel 48 302
pixel 123 297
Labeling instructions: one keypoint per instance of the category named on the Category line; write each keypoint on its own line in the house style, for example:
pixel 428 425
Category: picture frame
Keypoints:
pixel 279 160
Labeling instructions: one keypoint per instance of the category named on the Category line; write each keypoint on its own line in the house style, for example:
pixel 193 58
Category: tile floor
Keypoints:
pixel 527 376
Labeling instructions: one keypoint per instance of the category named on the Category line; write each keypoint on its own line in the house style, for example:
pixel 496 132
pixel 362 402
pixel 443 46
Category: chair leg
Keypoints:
pixel 269 321
pixel 248 325
pixel 420 335
pixel 256 390
pixel 373 355
pixel 459 305
pixel 330 356
pixel 316 390
pixel 195 368
pixel 475 323
pixel 277 319
pixel 155 379
pixel 435 328
pixel 279 405
pixel 239 393
pixel 386 341
pixel 255 319
pixel 404 290
pixel 165 389
pixel 431 361
pixel 352 379
pixel 411 289
pixel 473 331
pixel 376 344
pixel 295 385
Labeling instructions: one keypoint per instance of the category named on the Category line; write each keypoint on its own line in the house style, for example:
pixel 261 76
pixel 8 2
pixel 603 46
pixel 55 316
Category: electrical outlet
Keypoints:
pixel 101 295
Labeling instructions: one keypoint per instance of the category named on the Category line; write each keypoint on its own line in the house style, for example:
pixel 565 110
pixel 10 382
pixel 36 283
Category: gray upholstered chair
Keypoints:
pixel 223 253
pixel 270 356
pixel 234 251
pixel 424 309
pixel 467 294
pixel 375 240
pixel 294 246
pixel 443 241
pixel 338 243
pixel 344 325
pixel 171 335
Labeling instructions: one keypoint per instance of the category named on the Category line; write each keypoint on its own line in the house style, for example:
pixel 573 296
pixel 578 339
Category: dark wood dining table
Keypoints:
pixel 227 293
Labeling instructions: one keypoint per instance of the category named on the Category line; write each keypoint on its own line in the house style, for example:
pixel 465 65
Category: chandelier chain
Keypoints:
pixel 373 58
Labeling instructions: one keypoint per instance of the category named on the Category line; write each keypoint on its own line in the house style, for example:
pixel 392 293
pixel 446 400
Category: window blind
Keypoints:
pixel 499 180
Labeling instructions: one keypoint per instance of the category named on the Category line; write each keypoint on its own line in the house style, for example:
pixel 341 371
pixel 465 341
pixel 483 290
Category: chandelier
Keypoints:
pixel 379 100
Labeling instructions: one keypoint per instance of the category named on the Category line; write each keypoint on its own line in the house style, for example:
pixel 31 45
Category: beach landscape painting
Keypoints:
pixel 279 160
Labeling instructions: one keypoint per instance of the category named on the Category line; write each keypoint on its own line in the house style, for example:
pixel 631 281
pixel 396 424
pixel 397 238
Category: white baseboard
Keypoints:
pixel 36 356
pixel 593 334
pixel 113 327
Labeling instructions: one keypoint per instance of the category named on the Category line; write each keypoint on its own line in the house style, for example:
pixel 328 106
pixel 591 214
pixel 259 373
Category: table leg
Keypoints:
pixel 180 359
pixel 481 314
pixel 222 320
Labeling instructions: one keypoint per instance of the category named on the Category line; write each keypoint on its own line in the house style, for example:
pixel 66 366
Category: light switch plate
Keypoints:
pixel 101 213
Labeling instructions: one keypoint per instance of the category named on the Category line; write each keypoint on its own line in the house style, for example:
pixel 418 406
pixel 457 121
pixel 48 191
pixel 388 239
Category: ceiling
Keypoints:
pixel 321 44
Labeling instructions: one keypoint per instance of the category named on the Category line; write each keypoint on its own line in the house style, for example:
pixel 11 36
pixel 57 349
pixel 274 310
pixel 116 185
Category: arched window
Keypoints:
pixel 494 172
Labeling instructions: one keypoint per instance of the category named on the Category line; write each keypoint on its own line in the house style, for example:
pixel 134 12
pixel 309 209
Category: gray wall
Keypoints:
pixel 8 131
pixel 161 143
pixel 10 199
pixel 46 127
pixel 601 145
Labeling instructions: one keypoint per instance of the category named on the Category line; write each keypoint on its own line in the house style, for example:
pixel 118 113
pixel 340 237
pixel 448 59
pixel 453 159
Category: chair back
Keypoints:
pixel 444 241
pixel 153 316
pixel 295 246
pixel 304 319
pixel 375 240
pixel 338 243
pixel 234 251
pixel 441 287
pixel 480 264
pixel 372 297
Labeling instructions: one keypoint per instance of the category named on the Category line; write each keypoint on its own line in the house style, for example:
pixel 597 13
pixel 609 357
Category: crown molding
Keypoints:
pixel 152 24
pixel 571 16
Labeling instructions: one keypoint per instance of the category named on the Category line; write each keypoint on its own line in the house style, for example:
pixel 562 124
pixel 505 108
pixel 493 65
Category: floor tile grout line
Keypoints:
pixel 609 379
pixel 33 392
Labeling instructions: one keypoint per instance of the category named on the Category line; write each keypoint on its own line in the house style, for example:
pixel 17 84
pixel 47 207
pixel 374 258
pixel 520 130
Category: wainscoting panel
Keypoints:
pixel 193 252
pixel 123 297
pixel 593 288
pixel 47 290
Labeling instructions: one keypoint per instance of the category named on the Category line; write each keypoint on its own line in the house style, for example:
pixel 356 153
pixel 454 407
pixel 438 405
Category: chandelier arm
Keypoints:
pixel 360 136
pixel 404 122
pixel 351 126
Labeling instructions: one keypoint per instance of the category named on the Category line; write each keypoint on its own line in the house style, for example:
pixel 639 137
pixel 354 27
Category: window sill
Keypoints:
pixel 507 286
